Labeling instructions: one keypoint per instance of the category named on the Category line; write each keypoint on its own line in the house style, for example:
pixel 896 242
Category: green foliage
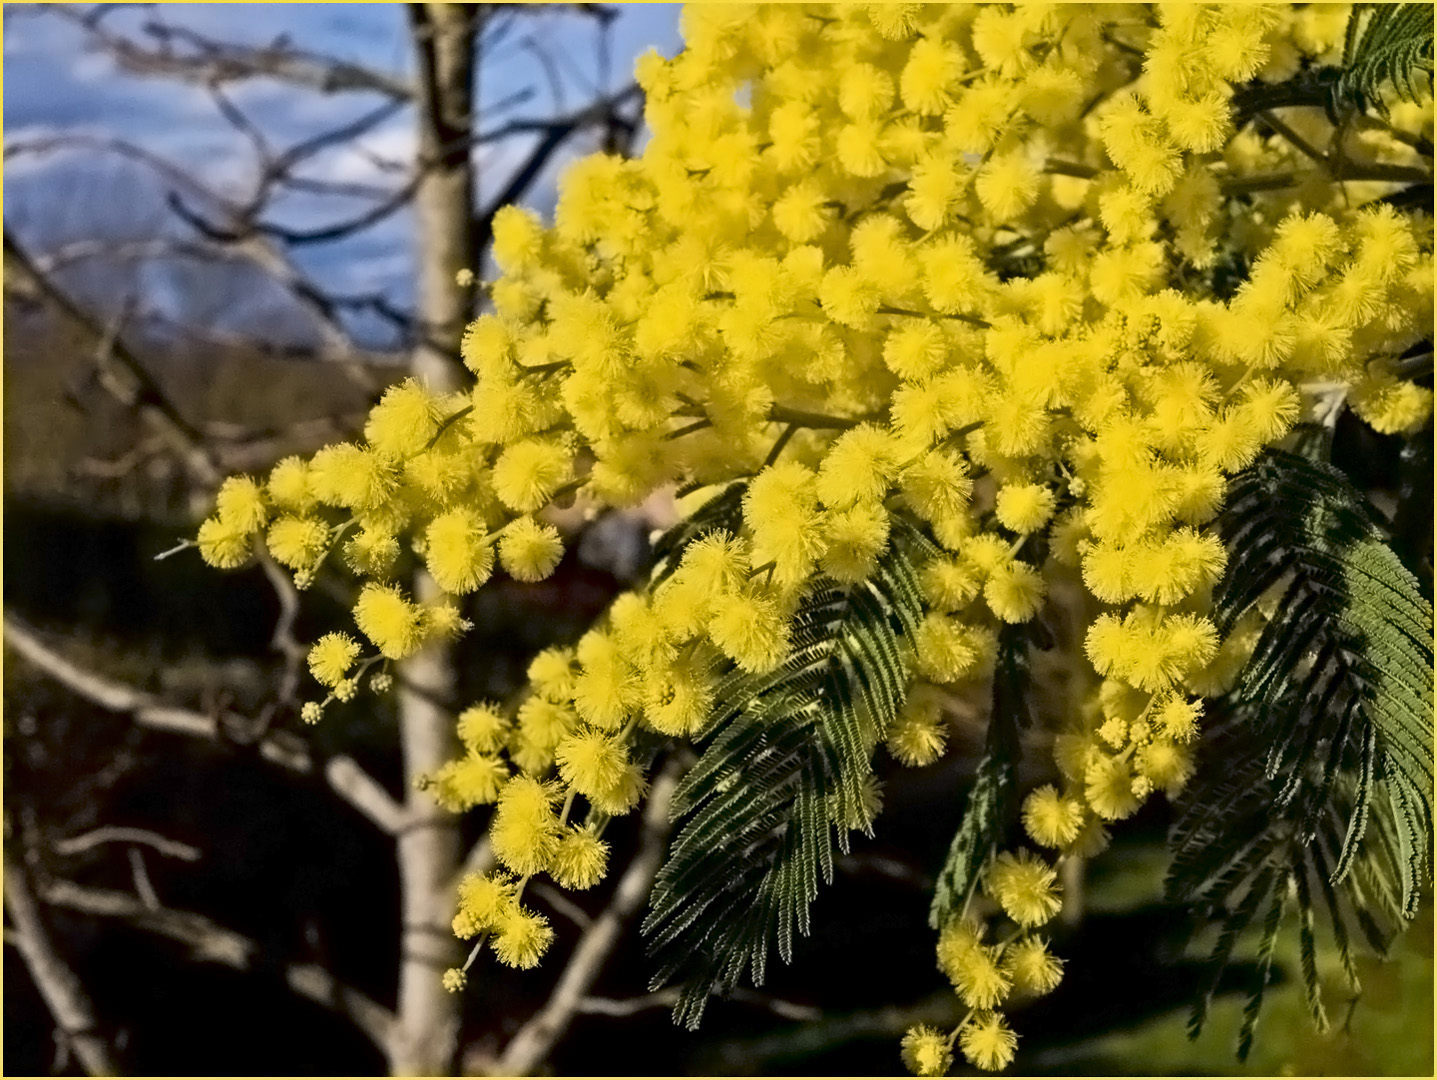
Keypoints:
pixel 1386 43
pixel 723 512
pixel 992 802
pixel 1319 767
pixel 783 773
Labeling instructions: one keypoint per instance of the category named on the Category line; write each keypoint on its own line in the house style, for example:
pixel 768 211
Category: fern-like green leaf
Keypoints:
pixel 780 780
pixel 992 801
pixel 724 511
pixel 1317 772
pixel 1386 43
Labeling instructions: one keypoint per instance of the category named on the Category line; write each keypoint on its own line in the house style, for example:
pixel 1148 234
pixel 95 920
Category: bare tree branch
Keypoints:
pixel 344 776
pixel 212 942
pixel 537 1039
pixel 211 63
pixel 124 834
pixel 260 250
pixel 58 985
pixel 666 999
pixel 561 904
pixel 366 794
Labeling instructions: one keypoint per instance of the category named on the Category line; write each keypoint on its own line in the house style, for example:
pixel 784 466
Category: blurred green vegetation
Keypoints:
pixel 1385 1030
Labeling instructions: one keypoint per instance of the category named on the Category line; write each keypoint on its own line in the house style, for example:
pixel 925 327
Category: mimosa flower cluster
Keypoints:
pixel 1008 273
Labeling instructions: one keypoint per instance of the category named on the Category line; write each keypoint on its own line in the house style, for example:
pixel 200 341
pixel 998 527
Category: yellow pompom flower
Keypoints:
pixel 529 551
pixel 483 900
pixel 223 545
pixel 581 859
pixel 801 213
pixel 678 697
pixel 1179 718
pixel 781 510
pixel 288 485
pixel 331 657
pixel 1052 820
pixel 1034 970
pixel 848 297
pixel 1007 186
pixel 371 551
pixel 482 728
pixel 473 780
pixel 529 472
pixel 297 542
pixel 240 504
pixel 347 475
pixel 954 275
pixel 590 761
pixel 1015 592
pixel 459 555
pixel 1390 406
pixel 1025 886
pixel 957 940
pixel 521 937
pixel 854 538
pixel 949 584
pixel 1167 570
pixel 623 796
pixel 929 72
pixel 915 350
pixel 859 149
pixel 979 977
pixel 518 238
pixel 1108 787
pixel 750 630
pixel 404 421
pixel 607 688
pixel 1024 508
pixel 943 650
pixel 551 673
pixel 987 1042
pixel 935 190
pixel 525 830
pixel 1166 764
pixel 715 563
pixel 864 91
pixel 917 737
pixel 938 486
pixel 392 623
pixel 925 1050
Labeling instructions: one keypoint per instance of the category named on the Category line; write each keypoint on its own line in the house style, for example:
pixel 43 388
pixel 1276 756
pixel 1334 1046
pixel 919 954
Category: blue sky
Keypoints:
pixel 55 85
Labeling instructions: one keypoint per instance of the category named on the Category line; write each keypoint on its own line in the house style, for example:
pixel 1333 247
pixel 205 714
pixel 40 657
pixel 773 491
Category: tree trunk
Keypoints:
pixel 427 1030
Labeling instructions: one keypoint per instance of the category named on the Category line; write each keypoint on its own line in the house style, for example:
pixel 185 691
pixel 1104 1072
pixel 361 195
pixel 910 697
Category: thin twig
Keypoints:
pixel 210 941
pixel 561 904
pixel 60 988
pixel 345 777
pixel 124 834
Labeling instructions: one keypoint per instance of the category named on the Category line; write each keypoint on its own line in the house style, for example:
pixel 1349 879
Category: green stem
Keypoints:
pixel 697 425
pixel 779 444
pixel 1071 168
pixel 782 414
pixel 444 424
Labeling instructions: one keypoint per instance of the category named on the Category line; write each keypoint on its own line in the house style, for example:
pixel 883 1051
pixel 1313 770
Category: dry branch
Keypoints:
pixel 345 777
pixel 58 985
pixel 207 62
pixel 209 941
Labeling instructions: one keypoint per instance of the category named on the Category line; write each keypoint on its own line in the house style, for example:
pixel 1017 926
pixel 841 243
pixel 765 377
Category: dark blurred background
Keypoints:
pixel 212 241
